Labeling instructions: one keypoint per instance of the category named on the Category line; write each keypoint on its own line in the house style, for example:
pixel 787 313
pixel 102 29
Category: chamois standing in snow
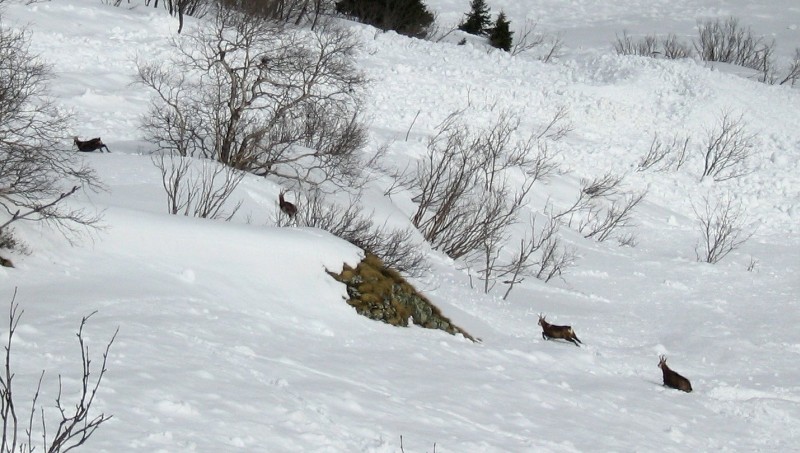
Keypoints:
pixel 90 145
pixel 286 207
pixel 553 331
pixel 673 379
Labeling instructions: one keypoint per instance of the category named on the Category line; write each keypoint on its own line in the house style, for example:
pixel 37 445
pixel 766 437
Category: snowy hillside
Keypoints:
pixel 232 337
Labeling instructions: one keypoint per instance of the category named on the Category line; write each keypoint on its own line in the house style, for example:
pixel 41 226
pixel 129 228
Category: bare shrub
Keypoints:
pixel 199 192
pixel 727 149
pixel 722 228
pixel 602 209
pixel 793 72
pixel 36 175
pixel 651 46
pixel 600 224
pixel 601 187
pixel 395 247
pixel 253 94
pixel 463 191
pixel 646 46
pixel 663 156
pixel 729 42
pixel 287 11
pixel 547 46
pixel 467 200
pixel 76 424
pixel 674 49
pixel 540 254
pixel 176 8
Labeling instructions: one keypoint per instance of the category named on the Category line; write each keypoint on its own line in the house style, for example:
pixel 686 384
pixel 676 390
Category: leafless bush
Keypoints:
pixel 437 32
pixel 722 229
pixel 555 259
pixel 602 223
pixel 601 210
pixel 540 255
pixel 177 8
pixel 530 40
pixel 463 192
pixel 395 247
pixel 601 187
pixel 36 175
pixel 651 46
pixel 287 11
pixel 674 49
pixel 199 192
pixel 647 46
pixel 75 423
pixel 728 148
pixel 792 73
pixel 729 42
pixel 663 156
pixel 253 94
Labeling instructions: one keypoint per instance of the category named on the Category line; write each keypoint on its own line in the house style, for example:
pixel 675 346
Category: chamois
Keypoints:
pixel 90 145
pixel 673 379
pixel 286 207
pixel 553 331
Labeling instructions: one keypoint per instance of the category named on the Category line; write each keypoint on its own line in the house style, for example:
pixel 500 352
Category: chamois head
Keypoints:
pixel 671 378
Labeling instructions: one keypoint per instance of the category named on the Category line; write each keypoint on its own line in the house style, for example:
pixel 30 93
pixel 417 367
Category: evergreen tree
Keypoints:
pixel 478 19
pixel 407 17
pixel 501 35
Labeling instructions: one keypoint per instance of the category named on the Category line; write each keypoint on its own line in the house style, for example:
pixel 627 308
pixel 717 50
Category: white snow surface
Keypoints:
pixel 233 338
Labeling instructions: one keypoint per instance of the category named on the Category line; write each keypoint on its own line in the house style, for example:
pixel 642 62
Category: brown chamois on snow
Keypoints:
pixel 553 331
pixel 286 207
pixel 673 379
pixel 90 145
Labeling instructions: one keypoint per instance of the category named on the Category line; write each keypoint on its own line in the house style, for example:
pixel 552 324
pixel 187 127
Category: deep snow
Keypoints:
pixel 233 338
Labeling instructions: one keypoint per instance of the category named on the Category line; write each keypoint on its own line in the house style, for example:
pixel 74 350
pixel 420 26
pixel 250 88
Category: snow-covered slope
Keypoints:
pixel 233 338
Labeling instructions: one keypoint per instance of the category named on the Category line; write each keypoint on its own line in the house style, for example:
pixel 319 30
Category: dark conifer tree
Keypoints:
pixel 478 19
pixel 501 35
pixel 407 17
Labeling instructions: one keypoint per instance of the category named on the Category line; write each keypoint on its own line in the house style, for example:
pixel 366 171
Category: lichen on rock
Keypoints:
pixel 382 294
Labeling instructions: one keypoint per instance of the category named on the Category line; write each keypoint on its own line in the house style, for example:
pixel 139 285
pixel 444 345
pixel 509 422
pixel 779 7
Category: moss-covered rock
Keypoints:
pixel 381 293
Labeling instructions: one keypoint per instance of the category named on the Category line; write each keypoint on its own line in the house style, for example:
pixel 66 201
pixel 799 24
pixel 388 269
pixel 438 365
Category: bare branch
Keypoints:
pixel 728 149
pixel 722 229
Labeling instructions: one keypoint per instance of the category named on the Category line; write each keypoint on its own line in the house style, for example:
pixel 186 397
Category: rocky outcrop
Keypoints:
pixel 382 294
